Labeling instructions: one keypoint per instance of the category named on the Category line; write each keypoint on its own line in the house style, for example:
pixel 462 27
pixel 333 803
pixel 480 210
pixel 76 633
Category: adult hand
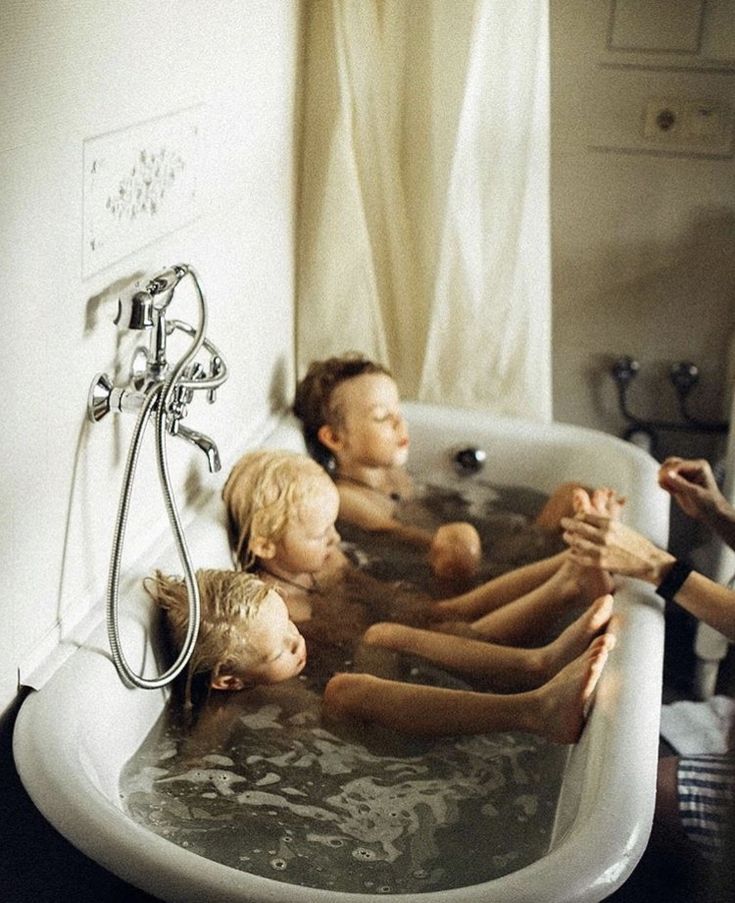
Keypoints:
pixel 692 484
pixel 597 540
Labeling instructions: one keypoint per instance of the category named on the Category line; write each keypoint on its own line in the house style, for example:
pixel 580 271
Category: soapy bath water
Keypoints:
pixel 263 785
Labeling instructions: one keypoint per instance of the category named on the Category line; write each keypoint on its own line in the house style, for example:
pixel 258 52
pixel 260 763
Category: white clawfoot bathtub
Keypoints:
pixel 75 734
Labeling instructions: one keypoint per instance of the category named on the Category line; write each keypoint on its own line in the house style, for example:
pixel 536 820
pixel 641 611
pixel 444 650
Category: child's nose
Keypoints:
pixel 334 537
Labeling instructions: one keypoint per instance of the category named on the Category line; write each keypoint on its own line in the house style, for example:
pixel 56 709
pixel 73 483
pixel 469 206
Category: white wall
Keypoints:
pixel 643 242
pixel 72 71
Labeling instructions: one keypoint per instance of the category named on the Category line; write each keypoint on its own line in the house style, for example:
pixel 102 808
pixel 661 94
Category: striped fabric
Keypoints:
pixel 707 799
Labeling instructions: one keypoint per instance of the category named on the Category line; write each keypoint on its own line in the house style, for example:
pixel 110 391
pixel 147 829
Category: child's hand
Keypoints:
pixel 455 550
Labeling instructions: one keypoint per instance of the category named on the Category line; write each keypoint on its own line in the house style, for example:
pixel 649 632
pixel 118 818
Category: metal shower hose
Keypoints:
pixel 157 398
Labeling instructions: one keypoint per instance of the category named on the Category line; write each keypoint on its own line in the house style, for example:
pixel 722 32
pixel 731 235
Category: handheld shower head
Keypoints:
pixel 135 312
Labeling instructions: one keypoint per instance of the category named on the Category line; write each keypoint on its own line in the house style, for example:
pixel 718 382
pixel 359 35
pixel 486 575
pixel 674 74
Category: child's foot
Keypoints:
pixel 579 584
pixel 572 642
pixel 565 701
pixel 605 502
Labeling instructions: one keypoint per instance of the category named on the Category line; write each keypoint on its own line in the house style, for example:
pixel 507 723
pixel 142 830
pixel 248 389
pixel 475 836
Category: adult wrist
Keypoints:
pixel 674 578
pixel 660 564
pixel 721 513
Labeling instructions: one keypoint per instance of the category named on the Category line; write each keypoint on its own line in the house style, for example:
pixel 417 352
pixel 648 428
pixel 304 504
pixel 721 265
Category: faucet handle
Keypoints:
pixel 215 369
pixel 105 398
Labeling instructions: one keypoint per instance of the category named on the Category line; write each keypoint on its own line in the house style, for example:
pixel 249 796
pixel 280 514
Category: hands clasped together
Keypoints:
pixel 597 537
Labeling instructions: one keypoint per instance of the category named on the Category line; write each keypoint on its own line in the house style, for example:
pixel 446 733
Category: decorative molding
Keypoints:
pixel 658 26
pixel 697 65
pixel 658 152
pixel 140 183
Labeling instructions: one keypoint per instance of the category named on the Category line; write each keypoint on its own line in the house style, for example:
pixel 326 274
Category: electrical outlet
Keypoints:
pixel 690 124
pixel 664 121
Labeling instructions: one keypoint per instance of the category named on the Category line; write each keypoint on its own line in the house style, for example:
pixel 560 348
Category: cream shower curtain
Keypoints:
pixel 424 220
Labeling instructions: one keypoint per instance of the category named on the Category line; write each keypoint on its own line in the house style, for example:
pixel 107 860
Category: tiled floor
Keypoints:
pixel 37 865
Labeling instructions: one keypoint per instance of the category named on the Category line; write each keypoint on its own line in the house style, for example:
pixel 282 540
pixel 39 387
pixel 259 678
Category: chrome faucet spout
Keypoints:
pixel 206 444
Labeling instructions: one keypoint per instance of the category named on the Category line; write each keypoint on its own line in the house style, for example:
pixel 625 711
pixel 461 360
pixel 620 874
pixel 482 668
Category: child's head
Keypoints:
pixel 281 509
pixel 350 412
pixel 245 635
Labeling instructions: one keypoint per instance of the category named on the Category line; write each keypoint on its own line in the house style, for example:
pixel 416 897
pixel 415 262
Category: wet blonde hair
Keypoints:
pixel 262 491
pixel 314 402
pixel 230 602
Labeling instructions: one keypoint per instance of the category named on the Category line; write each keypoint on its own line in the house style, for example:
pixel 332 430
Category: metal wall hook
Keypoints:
pixel 625 370
pixel 684 376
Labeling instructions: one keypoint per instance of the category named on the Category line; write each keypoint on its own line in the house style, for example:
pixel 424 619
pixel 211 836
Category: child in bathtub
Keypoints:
pixel 246 636
pixel 281 510
pixel 350 413
pixel 516 607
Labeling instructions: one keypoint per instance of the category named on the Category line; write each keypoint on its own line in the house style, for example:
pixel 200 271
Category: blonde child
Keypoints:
pixel 246 636
pixel 281 512
pixel 351 418
pixel 281 509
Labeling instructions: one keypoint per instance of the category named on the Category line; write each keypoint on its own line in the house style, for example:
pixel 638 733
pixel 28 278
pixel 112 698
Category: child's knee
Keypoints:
pixel 381 634
pixel 560 504
pixel 345 693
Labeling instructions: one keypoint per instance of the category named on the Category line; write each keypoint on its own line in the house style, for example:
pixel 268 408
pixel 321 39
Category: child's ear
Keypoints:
pixel 262 547
pixel 328 437
pixel 229 682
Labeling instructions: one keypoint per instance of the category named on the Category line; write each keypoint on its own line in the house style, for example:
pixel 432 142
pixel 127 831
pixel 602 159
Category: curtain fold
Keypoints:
pixel 489 334
pixel 467 322
pixel 337 292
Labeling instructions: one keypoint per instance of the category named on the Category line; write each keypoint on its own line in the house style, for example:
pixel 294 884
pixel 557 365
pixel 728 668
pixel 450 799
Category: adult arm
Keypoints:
pixel 601 542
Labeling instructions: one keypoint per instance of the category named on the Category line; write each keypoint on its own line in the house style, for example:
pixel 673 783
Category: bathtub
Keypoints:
pixel 75 734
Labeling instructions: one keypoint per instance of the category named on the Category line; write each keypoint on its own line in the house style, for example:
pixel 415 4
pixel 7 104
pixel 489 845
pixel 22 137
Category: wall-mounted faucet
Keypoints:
pixel 161 390
pixel 147 310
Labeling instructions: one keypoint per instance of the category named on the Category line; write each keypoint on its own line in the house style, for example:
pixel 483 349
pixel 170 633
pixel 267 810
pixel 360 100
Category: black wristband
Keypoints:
pixel 674 580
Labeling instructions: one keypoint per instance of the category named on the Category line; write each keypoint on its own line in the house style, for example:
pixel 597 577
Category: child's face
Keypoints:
pixel 279 650
pixel 310 536
pixel 373 432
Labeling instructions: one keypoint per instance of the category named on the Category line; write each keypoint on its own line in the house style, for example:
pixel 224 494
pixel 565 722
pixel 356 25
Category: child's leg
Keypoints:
pixel 502 667
pixel 499 591
pixel 556 711
pixel 529 619
pixel 559 505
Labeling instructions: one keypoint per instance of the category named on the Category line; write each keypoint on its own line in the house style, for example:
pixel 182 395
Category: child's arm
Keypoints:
pixel 376 514
pixel 454 549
